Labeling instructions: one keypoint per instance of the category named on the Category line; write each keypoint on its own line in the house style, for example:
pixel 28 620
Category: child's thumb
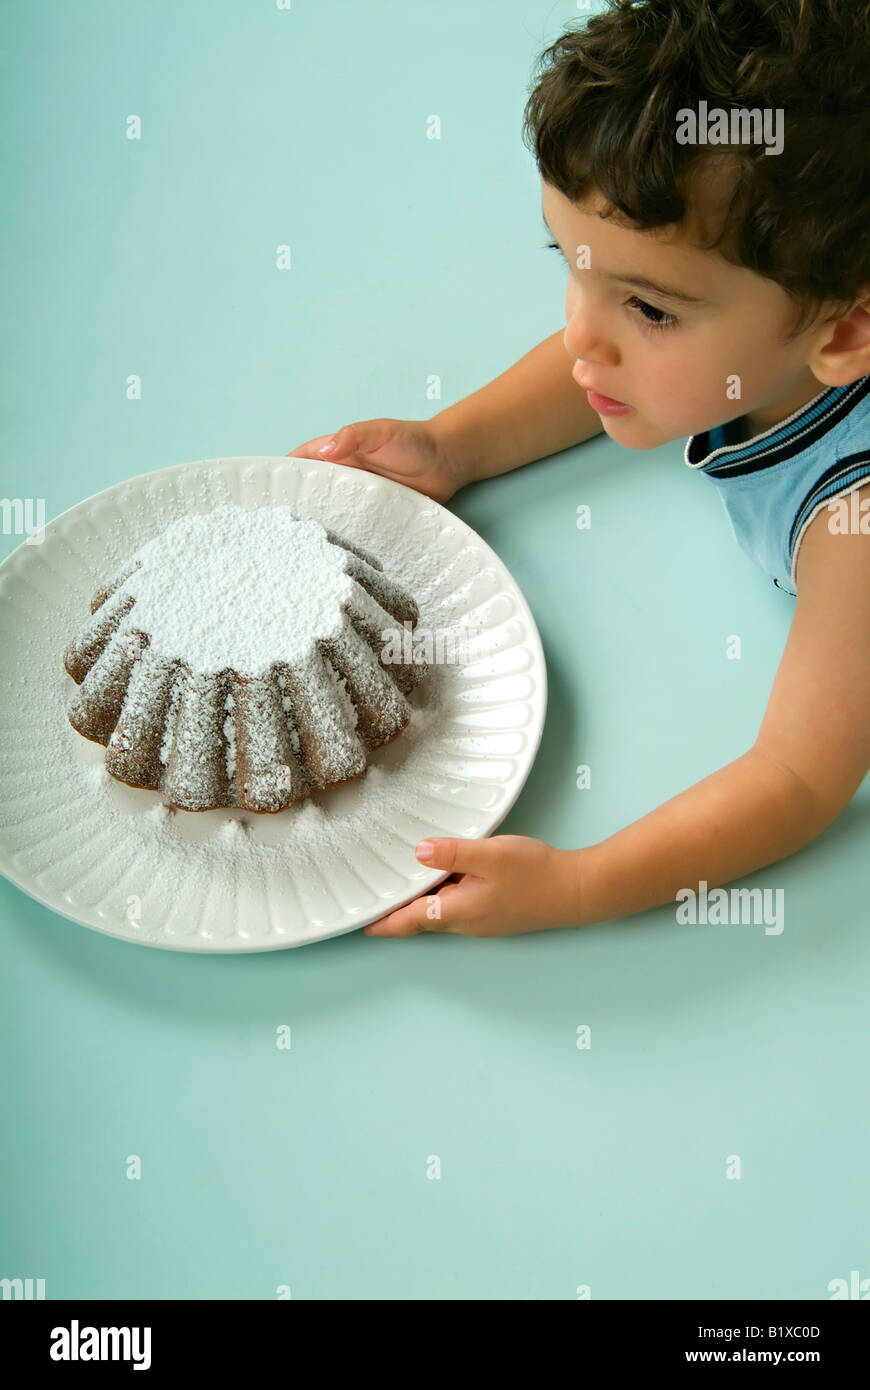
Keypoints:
pixel 348 440
pixel 334 447
pixel 364 437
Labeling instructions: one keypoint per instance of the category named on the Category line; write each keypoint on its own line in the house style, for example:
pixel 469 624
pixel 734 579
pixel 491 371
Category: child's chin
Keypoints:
pixel 631 430
pixel 635 432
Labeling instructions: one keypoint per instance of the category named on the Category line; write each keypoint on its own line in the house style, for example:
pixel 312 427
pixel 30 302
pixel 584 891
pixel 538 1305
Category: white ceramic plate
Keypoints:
pixel 115 858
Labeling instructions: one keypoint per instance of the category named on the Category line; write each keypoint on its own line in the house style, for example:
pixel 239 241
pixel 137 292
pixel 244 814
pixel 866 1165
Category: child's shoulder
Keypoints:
pixel 833 562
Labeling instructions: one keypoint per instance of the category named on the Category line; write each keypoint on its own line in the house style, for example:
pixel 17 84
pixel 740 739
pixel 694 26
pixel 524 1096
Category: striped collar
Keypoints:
pixel 785 440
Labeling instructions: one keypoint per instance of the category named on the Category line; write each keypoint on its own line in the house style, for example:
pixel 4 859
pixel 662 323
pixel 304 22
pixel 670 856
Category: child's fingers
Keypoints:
pixel 431 912
pixel 446 909
pixel 460 856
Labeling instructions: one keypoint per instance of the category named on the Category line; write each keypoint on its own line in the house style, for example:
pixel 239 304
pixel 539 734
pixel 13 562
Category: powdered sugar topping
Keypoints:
pixel 238 589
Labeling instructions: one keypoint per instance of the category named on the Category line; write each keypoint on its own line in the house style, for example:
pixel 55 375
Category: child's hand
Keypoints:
pixel 407 451
pixel 506 885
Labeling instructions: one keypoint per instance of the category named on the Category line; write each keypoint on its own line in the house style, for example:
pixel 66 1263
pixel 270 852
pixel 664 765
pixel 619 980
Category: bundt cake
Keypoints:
pixel 237 660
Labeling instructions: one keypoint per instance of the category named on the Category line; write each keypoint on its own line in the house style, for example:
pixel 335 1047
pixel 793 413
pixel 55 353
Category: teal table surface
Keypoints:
pixel 280 249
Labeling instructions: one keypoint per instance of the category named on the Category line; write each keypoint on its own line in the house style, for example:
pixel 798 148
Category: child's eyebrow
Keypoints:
pixel 639 282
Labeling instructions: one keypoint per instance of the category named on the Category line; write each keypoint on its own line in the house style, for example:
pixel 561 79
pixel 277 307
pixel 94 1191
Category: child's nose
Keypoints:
pixel 585 335
pixel 587 341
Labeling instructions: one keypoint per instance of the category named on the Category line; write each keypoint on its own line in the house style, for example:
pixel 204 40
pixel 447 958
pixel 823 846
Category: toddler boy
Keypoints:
pixel 719 287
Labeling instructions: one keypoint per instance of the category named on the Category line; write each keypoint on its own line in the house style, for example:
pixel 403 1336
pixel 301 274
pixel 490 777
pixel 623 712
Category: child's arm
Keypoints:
pixel 532 410
pixel 811 754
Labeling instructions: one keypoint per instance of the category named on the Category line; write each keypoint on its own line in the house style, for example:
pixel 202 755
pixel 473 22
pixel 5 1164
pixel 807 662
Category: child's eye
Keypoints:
pixel 653 317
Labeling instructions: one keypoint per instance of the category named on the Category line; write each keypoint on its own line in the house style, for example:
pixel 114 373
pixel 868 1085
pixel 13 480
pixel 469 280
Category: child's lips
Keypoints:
pixel 602 405
pixel 605 405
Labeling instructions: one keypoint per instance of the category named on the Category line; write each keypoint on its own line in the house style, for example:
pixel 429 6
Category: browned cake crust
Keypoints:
pixel 221 739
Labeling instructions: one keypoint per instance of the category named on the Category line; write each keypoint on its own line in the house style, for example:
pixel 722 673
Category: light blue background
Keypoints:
pixel 308 1167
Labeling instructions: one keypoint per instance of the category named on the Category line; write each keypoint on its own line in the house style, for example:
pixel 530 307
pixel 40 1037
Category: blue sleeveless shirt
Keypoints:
pixel 773 485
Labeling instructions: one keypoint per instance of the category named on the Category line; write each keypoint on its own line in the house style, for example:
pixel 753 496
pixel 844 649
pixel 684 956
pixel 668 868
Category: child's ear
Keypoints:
pixel 841 353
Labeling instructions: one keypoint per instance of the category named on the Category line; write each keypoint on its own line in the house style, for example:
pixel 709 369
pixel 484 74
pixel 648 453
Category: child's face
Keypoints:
pixel 677 364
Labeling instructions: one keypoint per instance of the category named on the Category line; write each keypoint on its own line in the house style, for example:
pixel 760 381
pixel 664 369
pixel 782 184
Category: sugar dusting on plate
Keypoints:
pixel 199 878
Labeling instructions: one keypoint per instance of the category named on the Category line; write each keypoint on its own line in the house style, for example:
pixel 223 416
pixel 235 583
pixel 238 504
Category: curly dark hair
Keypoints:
pixel 603 115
